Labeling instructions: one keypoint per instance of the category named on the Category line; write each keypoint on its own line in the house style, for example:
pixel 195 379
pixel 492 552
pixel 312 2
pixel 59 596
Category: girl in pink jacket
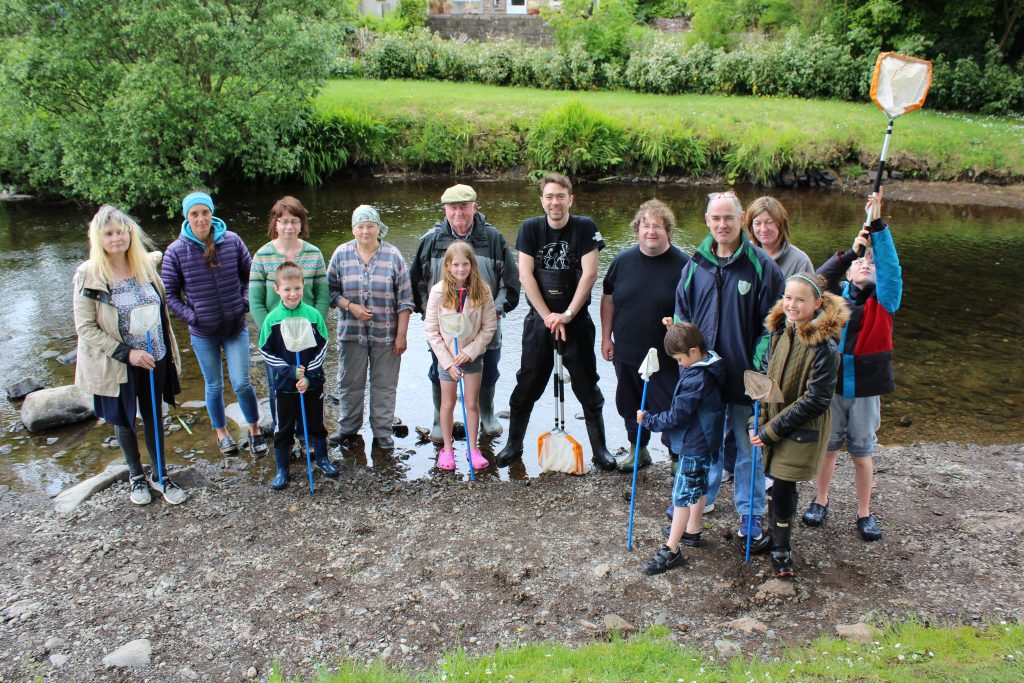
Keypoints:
pixel 460 290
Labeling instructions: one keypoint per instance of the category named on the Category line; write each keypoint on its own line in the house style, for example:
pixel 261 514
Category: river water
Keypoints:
pixel 959 368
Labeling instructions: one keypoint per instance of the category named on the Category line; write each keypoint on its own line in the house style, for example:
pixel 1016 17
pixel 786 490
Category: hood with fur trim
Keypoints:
pixel 828 324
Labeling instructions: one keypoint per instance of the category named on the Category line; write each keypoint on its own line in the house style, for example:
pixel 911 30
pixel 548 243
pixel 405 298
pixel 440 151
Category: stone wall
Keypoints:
pixel 527 28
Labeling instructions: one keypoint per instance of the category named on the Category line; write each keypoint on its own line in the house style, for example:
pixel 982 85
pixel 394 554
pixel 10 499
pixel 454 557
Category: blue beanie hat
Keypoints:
pixel 193 199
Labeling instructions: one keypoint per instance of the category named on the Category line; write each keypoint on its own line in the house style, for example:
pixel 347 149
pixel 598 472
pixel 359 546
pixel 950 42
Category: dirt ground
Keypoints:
pixel 1011 196
pixel 240 577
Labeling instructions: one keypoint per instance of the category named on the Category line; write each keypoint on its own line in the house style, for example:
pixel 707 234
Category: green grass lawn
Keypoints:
pixel 743 136
pixel 909 652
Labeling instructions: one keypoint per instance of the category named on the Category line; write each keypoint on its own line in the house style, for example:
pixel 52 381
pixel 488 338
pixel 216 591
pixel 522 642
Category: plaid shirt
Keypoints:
pixel 382 286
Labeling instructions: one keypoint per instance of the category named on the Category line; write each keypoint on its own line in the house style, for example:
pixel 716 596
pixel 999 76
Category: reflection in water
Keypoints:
pixel 960 375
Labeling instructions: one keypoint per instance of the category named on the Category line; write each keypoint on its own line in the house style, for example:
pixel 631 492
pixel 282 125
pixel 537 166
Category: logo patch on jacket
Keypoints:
pixel 743 286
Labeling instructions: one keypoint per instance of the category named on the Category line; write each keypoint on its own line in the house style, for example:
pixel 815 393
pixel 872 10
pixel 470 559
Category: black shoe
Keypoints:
pixel 227 445
pixel 663 560
pixel 815 514
pixel 344 440
pixel 690 540
pixel 258 445
pixel 868 528
pixel 782 563
pixel 758 544
pixel 384 443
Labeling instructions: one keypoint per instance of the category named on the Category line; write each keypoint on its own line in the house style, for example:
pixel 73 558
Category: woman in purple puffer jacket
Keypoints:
pixel 206 275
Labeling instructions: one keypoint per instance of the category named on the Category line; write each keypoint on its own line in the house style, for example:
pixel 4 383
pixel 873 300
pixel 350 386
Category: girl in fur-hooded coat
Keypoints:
pixel 802 359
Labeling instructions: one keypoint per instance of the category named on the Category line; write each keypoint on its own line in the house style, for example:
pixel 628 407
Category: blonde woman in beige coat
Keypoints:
pixel 461 289
pixel 113 364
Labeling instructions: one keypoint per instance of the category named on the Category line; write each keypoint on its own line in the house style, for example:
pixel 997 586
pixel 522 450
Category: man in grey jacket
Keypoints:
pixel 463 222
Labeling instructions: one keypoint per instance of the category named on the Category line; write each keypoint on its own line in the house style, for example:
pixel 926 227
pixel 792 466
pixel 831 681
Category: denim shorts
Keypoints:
pixel 474 368
pixel 855 422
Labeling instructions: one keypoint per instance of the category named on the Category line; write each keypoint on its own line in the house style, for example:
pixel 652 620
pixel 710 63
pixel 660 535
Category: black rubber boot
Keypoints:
pixel 595 430
pixel 281 458
pixel 489 425
pixel 322 462
pixel 782 558
pixel 513 449
pixel 435 431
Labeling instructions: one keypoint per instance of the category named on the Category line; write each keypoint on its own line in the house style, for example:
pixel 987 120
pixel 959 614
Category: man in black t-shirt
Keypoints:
pixel 557 269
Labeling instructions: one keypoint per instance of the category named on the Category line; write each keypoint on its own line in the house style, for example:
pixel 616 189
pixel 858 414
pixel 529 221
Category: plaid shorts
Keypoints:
pixel 691 480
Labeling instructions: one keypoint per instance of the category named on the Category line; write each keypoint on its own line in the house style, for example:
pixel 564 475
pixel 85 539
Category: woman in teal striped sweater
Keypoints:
pixel 288 228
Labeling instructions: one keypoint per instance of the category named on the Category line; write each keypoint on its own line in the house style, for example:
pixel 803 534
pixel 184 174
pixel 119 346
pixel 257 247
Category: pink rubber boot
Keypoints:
pixel 478 460
pixel 446 460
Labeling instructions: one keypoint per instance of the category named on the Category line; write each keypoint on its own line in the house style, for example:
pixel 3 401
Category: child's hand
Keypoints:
pixel 862 242
pixel 873 207
pixel 755 440
pixel 463 359
pixel 302 385
pixel 454 371
pixel 667 321
pixel 640 417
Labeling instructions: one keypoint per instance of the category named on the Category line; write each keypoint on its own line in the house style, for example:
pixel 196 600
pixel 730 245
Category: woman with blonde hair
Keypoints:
pixel 113 362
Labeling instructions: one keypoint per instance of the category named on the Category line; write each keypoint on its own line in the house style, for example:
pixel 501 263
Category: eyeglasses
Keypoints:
pixel 718 195
pixel 289 222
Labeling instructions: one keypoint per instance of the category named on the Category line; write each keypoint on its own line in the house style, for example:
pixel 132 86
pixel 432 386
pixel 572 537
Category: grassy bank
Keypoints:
pixel 459 127
pixel 910 652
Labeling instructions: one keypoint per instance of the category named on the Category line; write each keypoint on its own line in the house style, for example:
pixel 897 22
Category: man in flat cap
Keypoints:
pixel 462 222
pixel 557 268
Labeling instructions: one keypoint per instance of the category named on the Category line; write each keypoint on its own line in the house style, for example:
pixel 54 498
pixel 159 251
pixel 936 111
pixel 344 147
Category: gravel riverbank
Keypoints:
pixel 240 577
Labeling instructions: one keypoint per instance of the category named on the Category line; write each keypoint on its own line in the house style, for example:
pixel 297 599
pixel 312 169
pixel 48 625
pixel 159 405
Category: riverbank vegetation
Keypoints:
pixel 906 652
pixel 465 128
pixel 745 47
pixel 137 103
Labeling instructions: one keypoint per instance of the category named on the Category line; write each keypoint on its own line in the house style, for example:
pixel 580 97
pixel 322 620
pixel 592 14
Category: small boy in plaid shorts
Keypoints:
pixel 694 422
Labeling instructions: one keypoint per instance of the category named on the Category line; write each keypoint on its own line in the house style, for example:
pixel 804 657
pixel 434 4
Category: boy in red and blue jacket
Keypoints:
pixel 872 289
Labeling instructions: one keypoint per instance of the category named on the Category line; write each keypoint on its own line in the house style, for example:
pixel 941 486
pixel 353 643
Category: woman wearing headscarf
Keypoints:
pixel 206 273
pixel 115 362
pixel 370 285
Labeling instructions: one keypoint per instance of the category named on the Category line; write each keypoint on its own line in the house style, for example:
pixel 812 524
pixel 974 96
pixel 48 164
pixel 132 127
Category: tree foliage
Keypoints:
pixel 138 101
pixel 607 29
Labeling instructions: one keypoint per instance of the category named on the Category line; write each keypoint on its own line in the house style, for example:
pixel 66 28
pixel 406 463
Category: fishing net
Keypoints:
pixel 297 334
pixel 900 83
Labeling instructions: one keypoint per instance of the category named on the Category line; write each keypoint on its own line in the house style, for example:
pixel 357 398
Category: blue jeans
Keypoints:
pixel 736 417
pixel 236 350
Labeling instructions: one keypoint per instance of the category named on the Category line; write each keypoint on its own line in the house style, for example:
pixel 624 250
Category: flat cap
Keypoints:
pixel 456 194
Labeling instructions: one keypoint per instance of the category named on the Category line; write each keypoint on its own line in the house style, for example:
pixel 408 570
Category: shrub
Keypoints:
pixel 343 138
pixel 576 140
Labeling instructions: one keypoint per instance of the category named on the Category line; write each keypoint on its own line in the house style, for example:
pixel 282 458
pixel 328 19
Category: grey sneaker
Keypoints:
pixel 173 494
pixel 140 492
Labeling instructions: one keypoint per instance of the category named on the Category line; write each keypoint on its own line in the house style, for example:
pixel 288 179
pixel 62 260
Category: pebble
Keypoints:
pixel 251 673
pixel 52 440
pixel 53 643
pixel 776 587
pixel 613 622
pixel 858 633
pixel 727 649
pixel 128 579
pixel 132 654
pixel 602 570
pixel 6 448
pixel 58 660
pixel 747 625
